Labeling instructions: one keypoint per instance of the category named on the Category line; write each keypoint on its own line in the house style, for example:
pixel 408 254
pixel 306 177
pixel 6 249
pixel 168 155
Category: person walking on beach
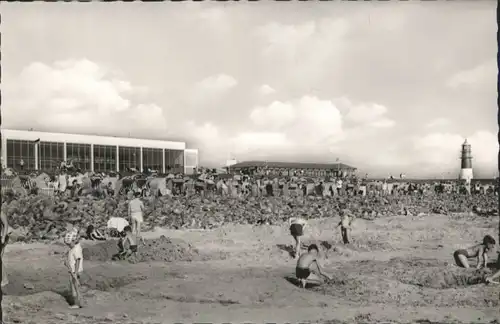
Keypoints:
pixel 297 226
pixel 74 263
pixel 136 214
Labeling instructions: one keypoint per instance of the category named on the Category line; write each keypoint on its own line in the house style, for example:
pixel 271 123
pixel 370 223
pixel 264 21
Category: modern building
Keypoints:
pixel 45 151
pixel 289 168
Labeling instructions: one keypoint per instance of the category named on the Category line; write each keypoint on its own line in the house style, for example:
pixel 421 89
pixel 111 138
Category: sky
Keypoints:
pixel 387 87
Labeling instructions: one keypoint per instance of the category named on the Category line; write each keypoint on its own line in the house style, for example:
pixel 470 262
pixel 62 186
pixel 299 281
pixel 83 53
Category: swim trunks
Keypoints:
pixel 137 217
pixel 301 273
pixel 296 230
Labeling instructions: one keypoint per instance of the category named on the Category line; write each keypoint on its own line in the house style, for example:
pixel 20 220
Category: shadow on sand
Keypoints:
pixel 295 281
pixel 287 248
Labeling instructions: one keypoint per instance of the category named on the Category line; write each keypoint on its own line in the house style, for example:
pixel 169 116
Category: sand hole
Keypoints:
pixel 105 283
pixel 433 273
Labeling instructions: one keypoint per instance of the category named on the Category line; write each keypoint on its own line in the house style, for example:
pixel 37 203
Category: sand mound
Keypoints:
pixel 168 250
pixel 161 249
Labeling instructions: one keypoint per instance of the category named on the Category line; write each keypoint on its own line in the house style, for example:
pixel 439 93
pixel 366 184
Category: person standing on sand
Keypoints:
pixel 74 263
pixel 5 239
pixel 136 215
pixel 297 226
pixel 345 225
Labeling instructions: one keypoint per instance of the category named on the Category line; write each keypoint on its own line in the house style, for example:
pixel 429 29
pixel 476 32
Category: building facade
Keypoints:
pixel 294 168
pixel 46 151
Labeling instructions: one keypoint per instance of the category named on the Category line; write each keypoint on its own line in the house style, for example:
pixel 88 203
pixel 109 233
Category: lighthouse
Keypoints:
pixel 466 167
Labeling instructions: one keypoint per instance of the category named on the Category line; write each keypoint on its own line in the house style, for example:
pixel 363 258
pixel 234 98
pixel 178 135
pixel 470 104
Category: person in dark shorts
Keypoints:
pixel 303 270
pixel 479 251
pixel 297 226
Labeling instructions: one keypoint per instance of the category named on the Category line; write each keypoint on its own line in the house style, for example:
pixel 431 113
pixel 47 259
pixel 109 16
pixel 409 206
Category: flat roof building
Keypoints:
pixel 45 151
pixel 288 168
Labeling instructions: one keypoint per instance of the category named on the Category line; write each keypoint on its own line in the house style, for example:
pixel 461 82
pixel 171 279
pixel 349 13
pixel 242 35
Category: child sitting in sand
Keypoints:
pixel 297 226
pixel 74 263
pixel 479 251
pixel 127 244
pixel 303 270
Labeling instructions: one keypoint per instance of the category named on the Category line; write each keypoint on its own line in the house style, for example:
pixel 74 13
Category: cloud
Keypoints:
pixel 217 83
pixel 482 75
pixel 275 116
pixel 77 96
pixel 266 90
pixel 438 122
pixel 308 120
pixel 366 114
pixel 441 151
pixel 301 51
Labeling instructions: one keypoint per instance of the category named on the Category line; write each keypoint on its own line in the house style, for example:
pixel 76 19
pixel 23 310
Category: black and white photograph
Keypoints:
pixel 249 162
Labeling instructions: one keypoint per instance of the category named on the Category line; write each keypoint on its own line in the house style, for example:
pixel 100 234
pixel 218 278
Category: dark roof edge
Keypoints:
pixel 297 165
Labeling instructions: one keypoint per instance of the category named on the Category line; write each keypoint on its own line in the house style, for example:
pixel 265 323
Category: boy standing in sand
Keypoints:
pixel 479 251
pixel 297 226
pixel 303 270
pixel 135 212
pixel 74 263
pixel 345 225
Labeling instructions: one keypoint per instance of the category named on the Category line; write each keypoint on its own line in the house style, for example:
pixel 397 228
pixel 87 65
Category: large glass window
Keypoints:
pixel 50 155
pixel 18 150
pixel 174 161
pixel 152 159
pixel 104 158
pixel 79 155
pixel 129 157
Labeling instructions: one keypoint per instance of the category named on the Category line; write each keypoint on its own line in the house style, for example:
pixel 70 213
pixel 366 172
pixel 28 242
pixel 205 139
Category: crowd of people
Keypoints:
pixel 71 183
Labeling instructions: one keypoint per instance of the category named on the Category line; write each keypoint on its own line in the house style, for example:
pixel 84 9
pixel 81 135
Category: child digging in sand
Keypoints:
pixel 479 251
pixel 127 244
pixel 303 270
pixel 74 263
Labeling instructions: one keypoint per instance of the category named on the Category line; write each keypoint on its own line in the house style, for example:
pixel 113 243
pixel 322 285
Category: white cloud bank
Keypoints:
pixel 83 97
pixel 77 96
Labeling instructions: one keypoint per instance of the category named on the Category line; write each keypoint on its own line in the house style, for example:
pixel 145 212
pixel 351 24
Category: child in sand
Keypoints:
pixel 135 212
pixel 303 270
pixel 297 226
pixel 479 251
pixel 127 244
pixel 74 263
pixel 345 225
